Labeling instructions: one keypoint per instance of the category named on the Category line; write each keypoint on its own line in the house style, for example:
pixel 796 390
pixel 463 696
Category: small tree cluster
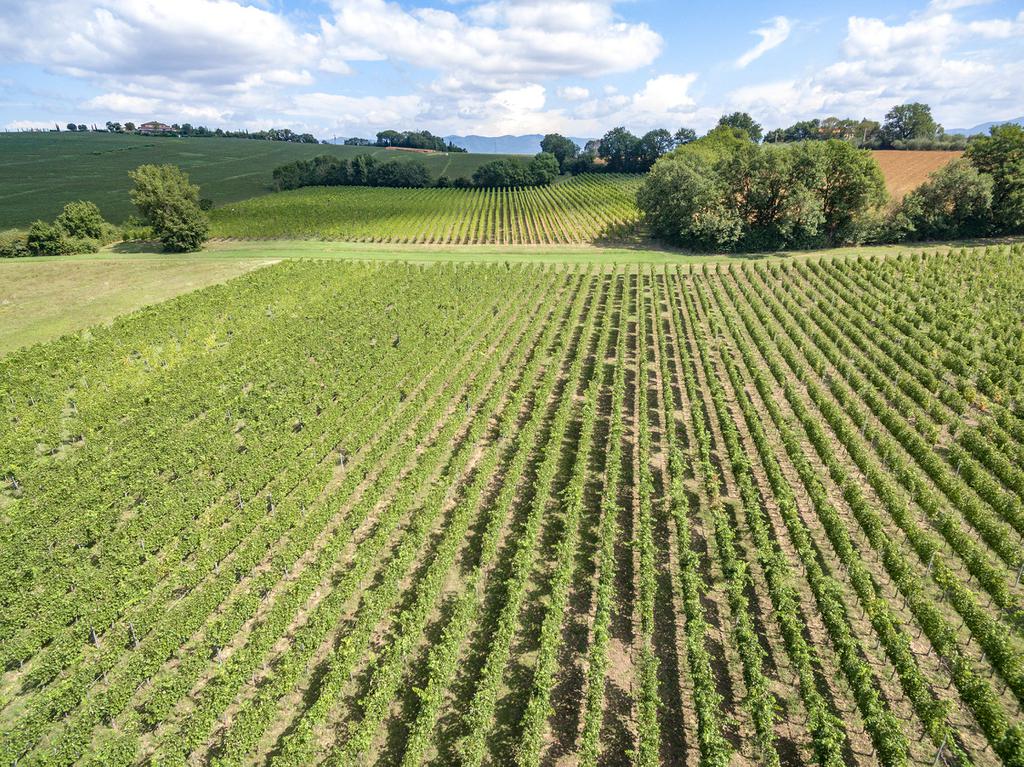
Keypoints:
pixel 79 228
pixel 506 172
pixel 724 192
pixel 414 140
pixel 361 170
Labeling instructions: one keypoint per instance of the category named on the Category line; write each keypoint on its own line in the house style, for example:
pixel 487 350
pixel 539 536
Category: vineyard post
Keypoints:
pixel 1020 572
pixel 938 754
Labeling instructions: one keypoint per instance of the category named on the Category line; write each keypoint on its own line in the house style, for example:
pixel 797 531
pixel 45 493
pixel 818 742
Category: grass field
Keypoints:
pixel 578 210
pixel 41 299
pixel 40 172
pixel 905 170
pixel 377 513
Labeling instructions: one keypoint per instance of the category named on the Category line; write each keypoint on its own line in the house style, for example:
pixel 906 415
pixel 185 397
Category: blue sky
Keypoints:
pixel 352 67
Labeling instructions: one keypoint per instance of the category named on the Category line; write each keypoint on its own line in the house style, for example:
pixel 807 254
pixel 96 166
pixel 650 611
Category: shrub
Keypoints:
pixel 14 244
pixel 205 203
pixel 82 219
pixel 955 201
pixel 47 240
pixel 134 228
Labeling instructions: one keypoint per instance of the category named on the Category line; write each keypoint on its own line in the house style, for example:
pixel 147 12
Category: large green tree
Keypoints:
pixel 850 185
pixel 905 122
pixel 744 122
pixel 1001 155
pixel 565 150
pixel 619 149
pixel 170 204
pixel 686 202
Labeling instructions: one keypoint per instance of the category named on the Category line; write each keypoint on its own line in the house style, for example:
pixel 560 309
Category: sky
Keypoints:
pixel 495 67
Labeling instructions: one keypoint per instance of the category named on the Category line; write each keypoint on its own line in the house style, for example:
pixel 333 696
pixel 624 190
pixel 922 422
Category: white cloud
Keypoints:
pixel 953 5
pixel 501 42
pixel 921 59
pixel 772 36
pixel 574 93
pixel 665 94
pixel 29 125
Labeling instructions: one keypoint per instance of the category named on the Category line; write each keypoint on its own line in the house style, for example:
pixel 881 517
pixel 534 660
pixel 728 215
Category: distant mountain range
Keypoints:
pixel 983 127
pixel 529 144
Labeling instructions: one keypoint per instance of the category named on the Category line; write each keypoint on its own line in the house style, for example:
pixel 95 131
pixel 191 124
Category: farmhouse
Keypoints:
pixel 153 127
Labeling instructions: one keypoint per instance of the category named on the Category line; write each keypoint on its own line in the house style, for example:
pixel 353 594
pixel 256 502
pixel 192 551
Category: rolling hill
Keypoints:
pixel 40 172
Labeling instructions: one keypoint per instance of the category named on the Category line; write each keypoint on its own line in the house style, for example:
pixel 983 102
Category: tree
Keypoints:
pixel 684 136
pixel 82 128
pixel 81 219
pixel 724 192
pixel 170 204
pixel 744 122
pixel 564 149
pixel 1001 155
pixel 388 138
pixel 619 149
pixel 72 127
pixel 651 146
pixel 955 201
pixel 905 122
pixel 360 169
pixel 850 186
pixel 543 169
pixel 685 201
pixel 497 173
pixel 401 173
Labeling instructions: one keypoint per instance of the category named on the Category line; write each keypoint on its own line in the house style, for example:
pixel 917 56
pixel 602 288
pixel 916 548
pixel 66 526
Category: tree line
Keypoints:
pixel 408 140
pixel 365 170
pixel 201 131
pixel 906 126
pixel 726 192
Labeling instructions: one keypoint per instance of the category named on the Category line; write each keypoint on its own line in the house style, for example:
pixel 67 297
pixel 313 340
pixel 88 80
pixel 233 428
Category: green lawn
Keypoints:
pixel 40 172
pixel 44 298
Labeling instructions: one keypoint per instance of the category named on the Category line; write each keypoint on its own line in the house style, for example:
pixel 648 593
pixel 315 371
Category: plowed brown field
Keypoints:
pixel 905 170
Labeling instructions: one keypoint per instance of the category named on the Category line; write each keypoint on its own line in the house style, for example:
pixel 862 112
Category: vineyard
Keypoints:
pixel 580 210
pixel 326 513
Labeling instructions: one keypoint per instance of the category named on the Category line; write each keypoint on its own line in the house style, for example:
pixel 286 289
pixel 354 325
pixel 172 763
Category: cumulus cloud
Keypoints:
pixel 501 41
pixel 772 36
pixel 882 64
pixel 574 93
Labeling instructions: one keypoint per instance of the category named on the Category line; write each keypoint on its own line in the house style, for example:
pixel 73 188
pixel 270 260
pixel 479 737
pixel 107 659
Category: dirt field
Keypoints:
pixel 907 169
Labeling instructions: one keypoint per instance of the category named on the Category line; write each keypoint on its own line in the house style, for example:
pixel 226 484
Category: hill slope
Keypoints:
pixel 40 172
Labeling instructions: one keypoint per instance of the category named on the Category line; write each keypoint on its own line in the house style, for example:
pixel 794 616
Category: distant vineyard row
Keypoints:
pixel 581 210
